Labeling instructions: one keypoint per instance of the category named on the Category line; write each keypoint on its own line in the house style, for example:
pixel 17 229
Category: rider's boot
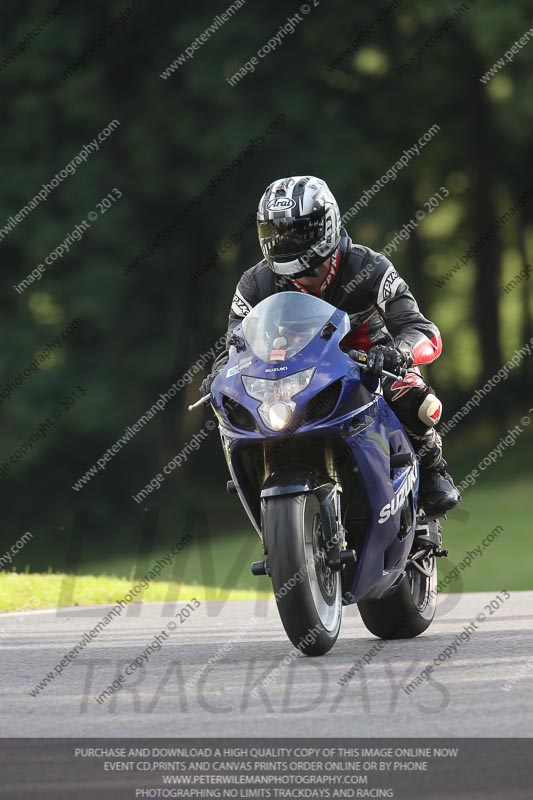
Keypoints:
pixel 437 492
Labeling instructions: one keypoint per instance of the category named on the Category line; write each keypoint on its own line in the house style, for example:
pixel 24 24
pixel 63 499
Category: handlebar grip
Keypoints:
pixel 359 356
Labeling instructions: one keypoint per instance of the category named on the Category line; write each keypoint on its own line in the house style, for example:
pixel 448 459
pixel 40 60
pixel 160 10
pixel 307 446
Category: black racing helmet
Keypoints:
pixel 298 224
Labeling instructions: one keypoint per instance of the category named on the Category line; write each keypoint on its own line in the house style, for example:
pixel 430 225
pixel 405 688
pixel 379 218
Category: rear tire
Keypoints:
pixel 308 592
pixel 409 610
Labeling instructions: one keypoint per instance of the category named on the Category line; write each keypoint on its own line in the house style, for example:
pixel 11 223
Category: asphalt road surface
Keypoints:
pixel 482 690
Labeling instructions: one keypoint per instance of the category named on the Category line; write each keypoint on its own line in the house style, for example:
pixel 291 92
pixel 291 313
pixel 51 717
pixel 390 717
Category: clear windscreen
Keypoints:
pixel 283 324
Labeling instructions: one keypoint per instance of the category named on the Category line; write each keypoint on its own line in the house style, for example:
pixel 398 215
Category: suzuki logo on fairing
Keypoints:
pixel 400 497
pixel 280 204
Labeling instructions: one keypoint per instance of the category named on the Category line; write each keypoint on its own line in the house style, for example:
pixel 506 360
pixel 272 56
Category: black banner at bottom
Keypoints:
pixel 433 769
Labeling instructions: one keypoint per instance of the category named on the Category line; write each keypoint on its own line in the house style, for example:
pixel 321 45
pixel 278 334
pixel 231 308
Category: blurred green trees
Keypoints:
pixel 348 125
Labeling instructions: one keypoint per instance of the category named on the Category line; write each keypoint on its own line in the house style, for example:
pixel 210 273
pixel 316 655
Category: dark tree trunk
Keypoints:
pixel 483 146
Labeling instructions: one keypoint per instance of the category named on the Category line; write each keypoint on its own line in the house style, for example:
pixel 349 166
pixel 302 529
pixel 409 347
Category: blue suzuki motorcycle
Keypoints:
pixel 326 474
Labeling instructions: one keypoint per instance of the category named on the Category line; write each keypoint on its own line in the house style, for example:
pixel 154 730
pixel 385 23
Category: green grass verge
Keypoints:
pixel 502 496
pixel 32 591
pixel 506 563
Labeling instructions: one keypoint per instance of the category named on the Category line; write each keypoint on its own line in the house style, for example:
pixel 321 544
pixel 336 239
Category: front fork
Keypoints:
pixel 336 555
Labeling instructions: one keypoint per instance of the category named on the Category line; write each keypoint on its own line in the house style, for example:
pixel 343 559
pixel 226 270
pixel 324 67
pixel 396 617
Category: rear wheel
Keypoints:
pixel 409 609
pixel 308 592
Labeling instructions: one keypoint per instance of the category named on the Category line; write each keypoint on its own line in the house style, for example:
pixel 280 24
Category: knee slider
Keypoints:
pixel 430 410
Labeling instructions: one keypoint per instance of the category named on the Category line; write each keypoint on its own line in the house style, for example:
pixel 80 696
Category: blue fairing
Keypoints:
pixel 359 425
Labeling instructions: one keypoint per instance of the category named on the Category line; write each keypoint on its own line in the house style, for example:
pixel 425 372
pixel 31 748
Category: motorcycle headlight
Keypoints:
pixel 276 407
pixel 269 391
pixel 277 416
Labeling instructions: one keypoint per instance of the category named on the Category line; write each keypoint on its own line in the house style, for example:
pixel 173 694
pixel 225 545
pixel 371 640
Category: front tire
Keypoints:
pixel 308 592
pixel 409 610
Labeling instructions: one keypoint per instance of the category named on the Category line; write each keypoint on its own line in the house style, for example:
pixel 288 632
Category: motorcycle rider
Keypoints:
pixel 305 248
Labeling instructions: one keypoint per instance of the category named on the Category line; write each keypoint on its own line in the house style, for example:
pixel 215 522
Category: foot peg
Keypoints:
pixel 401 460
pixel 259 567
pixel 428 532
pixel 348 557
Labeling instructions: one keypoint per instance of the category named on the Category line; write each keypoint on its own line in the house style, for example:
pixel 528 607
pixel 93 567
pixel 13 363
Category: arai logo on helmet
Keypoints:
pixel 399 499
pixel 280 204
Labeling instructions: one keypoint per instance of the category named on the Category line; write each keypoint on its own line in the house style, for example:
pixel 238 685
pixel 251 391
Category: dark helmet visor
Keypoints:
pixel 287 239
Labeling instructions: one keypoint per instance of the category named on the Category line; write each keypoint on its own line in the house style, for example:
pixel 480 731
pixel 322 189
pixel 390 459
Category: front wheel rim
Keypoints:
pixel 324 583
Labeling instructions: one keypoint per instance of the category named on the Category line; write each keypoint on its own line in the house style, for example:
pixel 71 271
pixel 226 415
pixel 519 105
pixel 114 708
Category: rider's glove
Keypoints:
pixel 205 386
pixel 385 358
pixel 217 366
